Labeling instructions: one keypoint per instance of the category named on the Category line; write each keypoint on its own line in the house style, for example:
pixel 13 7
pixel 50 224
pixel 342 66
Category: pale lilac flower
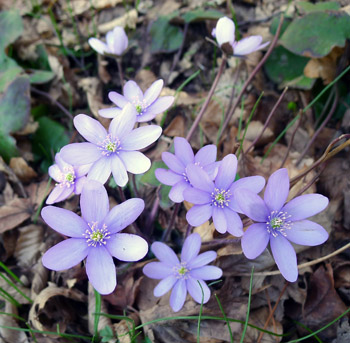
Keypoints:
pixel 116 42
pixel 225 34
pixel 279 223
pixel 176 176
pixel 185 275
pixel 95 236
pixel 215 199
pixel 147 105
pixel 113 151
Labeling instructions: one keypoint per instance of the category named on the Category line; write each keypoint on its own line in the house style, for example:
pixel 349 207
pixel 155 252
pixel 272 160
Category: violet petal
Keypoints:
pixel 101 170
pixel 90 128
pixel 173 162
pixel 199 178
pixel 219 219
pixel 118 99
pixel 183 150
pixel 247 45
pixel 206 155
pixel 198 293
pixel 202 259
pixel 135 162
pixel 178 295
pixel 227 172
pixel 277 189
pixel 255 240
pixel 98 45
pixel 132 91
pixel 110 112
pixel 123 124
pixel 234 222
pixel 164 254
pixel 157 270
pixel 206 273
pixel 191 247
pixel 164 286
pixel 119 172
pixel 196 196
pixel 167 177
pixel 176 192
pixel 306 232
pixel 160 105
pixel 199 214
pixel 141 138
pixel 152 93
pixel 81 153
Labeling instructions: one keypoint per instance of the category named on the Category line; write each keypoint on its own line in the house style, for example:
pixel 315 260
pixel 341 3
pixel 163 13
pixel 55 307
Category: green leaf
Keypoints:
pixel 200 15
pixel 149 177
pixel 308 7
pixel 11 27
pixel 8 75
pixel 165 202
pixel 165 37
pixel 278 69
pixel 40 76
pixel 317 33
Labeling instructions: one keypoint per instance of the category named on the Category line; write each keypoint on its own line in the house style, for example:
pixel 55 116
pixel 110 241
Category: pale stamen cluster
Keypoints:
pixel 278 222
pixel 67 177
pixel 95 236
pixel 220 197
pixel 140 106
pixel 110 145
pixel 181 271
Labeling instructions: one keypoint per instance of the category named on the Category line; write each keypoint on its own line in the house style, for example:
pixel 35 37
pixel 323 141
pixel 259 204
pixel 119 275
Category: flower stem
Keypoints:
pixel 171 223
pixel 120 71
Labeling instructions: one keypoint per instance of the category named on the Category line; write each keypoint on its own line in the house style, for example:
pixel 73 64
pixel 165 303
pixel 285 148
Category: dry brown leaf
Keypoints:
pixel 20 167
pixel 206 231
pixel 129 19
pixel 54 312
pixel 176 127
pixel 230 249
pixel 37 192
pixel 123 327
pixel 253 131
pixel 28 244
pixel 40 278
pixel 14 213
pixel 10 335
pixel 13 292
pixel 93 88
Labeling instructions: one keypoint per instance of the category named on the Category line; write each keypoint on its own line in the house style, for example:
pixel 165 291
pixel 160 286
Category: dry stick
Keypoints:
pixel 300 114
pixel 312 140
pixel 326 156
pixel 206 103
pixel 328 101
pixel 133 180
pixel 270 309
pixel 251 76
pixel 171 223
pixel 149 224
pixel 59 105
pixel 272 312
pixel 267 122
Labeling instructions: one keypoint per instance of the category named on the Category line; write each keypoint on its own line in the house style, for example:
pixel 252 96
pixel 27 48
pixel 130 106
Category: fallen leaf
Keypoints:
pixel 20 167
pixel 129 19
pixel 176 128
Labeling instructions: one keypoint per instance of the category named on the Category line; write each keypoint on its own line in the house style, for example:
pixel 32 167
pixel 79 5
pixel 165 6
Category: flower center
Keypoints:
pixel 110 145
pixel 140 106
pixel 277 223
pixel 220 197
pixel 181 271
pixel 67 177
pixel 95 235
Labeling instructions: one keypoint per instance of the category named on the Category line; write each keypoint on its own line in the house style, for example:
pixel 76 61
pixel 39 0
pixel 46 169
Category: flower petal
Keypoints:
pixel 90 128
pixel 157 270
pixel 55 172
pixel 191 247
pixel 152 93
pixel 164 254
pixel 141 138
pixel 123 124
pixel 306 232
pixel 63 221
pixel 248 45
pixel 202 259
pixel 135 162
pixel 234 222
pixel 227 172
pixel 206 273
pixel 132 91
pixel 183 150
pixel 305 206
pixel 65 254
pixel 178 295
pixel 80 153
pixel 177 191
pixel 199 214
pixel 159 106
pixel 100 270
pixel 206 155
pixel 98 45
pixel 94 203
pixel 101 170
pixel 277 190
pixel 167 177
pixel 110 112
pixel 59 194
pixel 199 178
pixel 255 240
pixel 225 31
pixel 173 162
pixel 164 286
pixel 285 257
pixel 127 247
pixel 219 219
pixel 197 292
pixel 79 184
pixel 119 172
pixel 119 43
pixel 118 99
pixel 196 196
pixel 251 205
pixel 124 214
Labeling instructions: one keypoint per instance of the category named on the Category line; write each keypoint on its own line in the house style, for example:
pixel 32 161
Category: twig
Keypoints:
pixel 120 71
pixel 251 76
pixel 171 223
pixel 133 180
pixel 188 230
pixel 13 177
pixel 267 122
pixel 121 194
pixel 48 96
pixel 149 224
pixel 270 309
pixel 329 116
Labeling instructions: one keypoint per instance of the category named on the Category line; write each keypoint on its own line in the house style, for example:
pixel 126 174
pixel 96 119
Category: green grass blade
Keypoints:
pixel 200 314
pixel 224 315
pixel 97 313
pixel 15 287
pixel 8 271
pixel 9 297
pixel 306 328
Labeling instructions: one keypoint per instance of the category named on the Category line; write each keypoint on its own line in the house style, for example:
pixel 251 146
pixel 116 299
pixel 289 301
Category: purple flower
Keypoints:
pixel 117 42
pixel 147 105
pixel 113 151
pixel 95 236
pixel 176 176
pixel 225 34
pixel 215 199
pixel 182 276
pixel 279 223
pixel 70 179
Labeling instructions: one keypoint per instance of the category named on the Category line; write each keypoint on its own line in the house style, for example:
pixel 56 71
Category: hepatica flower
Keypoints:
pixel 215 199
pixel 176 176
pixel 147 105
pixel 225 34
pixel 113 151
pixel 116 42
pixel 70 179
pixel 95 236
pixel 182 275
pixel 280 223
